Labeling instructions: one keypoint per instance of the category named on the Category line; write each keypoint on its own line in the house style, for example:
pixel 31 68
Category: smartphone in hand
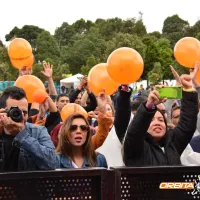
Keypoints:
pixel 174 92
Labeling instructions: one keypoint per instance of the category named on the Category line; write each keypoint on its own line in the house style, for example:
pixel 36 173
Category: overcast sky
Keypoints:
pixel 49 14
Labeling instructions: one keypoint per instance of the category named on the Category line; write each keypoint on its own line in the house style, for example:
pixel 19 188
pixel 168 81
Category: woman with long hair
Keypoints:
pixel 75 149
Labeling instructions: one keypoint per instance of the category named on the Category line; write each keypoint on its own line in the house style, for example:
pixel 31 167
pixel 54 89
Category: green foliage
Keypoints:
pixel 83 46
pixel 47 47
pixel 76 48
pixel 91 62
pixel 7 72
pixel 151 55
pixel 156 74
pixel 174 28
pixel 165 57
pixel 28 32
pixel 125 40
pixel 64 34
pixel 155 34
pixel 198 36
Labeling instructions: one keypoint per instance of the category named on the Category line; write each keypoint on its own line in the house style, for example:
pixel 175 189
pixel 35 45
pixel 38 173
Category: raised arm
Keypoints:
pixel 122 112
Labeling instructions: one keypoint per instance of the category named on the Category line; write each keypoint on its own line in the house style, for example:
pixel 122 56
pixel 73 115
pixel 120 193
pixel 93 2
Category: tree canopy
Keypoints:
pixel 76 48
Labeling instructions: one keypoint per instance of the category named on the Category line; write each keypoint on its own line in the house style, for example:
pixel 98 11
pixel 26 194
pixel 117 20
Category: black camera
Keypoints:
pixel 15 114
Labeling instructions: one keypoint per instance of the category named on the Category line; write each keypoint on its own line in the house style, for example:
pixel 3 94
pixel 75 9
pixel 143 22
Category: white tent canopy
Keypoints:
pixel 71 81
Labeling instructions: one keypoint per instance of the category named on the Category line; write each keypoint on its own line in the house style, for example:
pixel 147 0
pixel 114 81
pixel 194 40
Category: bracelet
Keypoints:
pixel 189 90
pixel 150 106
pixel 125 88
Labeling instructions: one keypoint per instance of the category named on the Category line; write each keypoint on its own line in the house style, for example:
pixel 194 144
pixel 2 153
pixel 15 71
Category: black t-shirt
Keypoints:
pixel 11 153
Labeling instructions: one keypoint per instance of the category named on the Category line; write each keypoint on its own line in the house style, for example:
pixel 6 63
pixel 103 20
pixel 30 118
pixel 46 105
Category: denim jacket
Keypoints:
pixel 36 148
pixel 64 162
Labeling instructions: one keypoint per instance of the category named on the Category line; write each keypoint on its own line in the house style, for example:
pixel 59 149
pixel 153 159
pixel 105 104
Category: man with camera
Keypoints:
pixel 23 146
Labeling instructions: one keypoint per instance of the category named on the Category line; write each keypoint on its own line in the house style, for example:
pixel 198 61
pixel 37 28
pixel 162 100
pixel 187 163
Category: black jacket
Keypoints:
pixel 140 149
pixel 122 113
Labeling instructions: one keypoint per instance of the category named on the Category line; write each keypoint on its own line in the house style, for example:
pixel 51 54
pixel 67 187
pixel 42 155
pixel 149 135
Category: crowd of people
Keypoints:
pixel 123 129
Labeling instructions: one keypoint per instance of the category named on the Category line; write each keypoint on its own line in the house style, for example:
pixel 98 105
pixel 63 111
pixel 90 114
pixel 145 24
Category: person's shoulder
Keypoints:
pixel 35 129
pixel 100 156
pixel 33 126
pixel 101 160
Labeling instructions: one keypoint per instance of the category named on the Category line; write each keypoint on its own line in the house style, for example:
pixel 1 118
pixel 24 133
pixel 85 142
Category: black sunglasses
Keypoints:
pixel 82 127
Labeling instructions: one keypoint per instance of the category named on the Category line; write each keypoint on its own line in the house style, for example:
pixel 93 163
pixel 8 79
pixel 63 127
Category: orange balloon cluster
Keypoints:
pixel 20 53
pixel 187 51
pixel 72 108
pixel 39 96
pixel 125 65
pixel 29 84
pixel 98 80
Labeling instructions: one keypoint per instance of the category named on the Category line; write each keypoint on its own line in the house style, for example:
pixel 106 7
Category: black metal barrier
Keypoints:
pixel 69 184
pixel 101 184
pixel 144 183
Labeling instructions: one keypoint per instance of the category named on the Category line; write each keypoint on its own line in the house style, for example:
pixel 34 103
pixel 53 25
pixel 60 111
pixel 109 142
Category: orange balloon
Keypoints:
pixel 19 48
pixel 39 96
pixel 19 63
pixel 98 80
pixel 72 108
pixel 30 84
pixel 125 65
pixel 187 51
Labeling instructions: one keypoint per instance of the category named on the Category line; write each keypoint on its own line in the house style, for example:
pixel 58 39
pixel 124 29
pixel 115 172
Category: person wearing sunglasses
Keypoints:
pixel 75 148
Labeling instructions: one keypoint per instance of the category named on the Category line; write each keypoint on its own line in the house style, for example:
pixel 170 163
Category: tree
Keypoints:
pixel 155 34
pixel 156 74
pixel 128 26
pixel 125 40
pixel 1 44
pixel 91 62
pixel 198 36
pixel 139 28
pixel 47 47
pixel 151 55
pixel 192 31
pixel 7 72
pixel 28 32
pixel 82 27
pixel 174 28
pixel 83 47
pixel 108 28
pixel 61 71
pixel 64 34
pixel 165 57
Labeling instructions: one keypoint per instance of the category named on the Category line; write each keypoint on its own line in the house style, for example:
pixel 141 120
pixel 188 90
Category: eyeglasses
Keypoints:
pixel 82 127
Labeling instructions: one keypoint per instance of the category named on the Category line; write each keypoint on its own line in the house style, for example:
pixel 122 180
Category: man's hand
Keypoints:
pixel 11 127
pixel 48 70
pixel 186 81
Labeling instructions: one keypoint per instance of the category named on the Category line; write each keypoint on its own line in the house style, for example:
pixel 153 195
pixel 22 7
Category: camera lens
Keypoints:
pixel 16 114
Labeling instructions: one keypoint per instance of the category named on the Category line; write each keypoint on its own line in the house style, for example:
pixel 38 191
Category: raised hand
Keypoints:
pixel 48 70
pixel 154 97
pixel 193 74
pixel 176 76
